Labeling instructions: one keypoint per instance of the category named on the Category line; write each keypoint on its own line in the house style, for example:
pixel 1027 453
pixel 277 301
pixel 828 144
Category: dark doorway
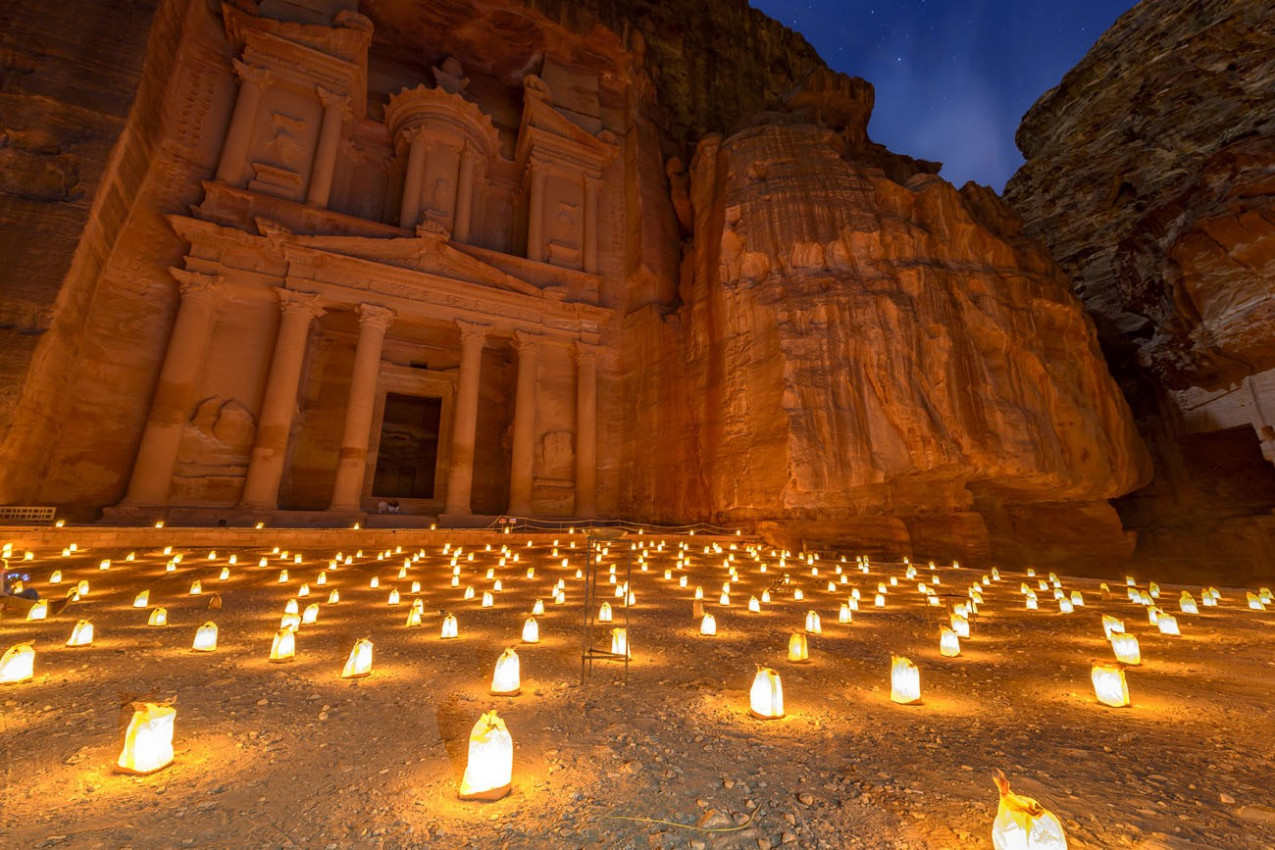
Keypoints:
pixel 408 452
pixel 1228 466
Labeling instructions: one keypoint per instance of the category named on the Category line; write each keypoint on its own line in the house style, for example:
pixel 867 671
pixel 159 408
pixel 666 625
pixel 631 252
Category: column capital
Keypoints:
pixel 472 332
pixel 252 74
pixel 526 343
pixel 374 316
pixel 293 302
pixel 581 350
pixel 197 284
pixel 413 134
pixel 331 100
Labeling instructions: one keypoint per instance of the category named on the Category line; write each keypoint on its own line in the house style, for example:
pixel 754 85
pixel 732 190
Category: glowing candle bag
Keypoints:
pixel 148 741
pixel 766 699
pixel 620 642
pixel 82 634
pixel 1109 685
pixel 284 647
pixel 507 680
pixel 1126 649
pixel 17 665
pixel 1024 824
pixel 490 766
pixel 359 664
pixel 206 638
pixel 798 648
pixel 905 681
pixel 949 643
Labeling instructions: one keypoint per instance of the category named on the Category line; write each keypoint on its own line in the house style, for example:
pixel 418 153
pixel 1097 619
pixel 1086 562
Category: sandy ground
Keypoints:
pixel 291 755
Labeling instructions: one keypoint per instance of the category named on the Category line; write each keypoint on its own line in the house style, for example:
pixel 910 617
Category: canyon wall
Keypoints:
pixel 1150 175
pixel 813 337
pixel 74 139
pixel 867 354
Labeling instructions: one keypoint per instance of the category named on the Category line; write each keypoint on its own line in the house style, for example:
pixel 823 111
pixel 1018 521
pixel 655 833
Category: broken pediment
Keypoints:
pixel 426 253
pixel 547 135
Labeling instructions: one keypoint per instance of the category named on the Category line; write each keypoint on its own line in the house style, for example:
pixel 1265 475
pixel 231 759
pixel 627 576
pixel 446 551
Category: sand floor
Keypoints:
pixel 292 755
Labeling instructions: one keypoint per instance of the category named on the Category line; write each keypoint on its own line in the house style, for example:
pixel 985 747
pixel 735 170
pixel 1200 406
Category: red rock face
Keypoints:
pixel 799 332
pixel 893 359
pixel 1151 177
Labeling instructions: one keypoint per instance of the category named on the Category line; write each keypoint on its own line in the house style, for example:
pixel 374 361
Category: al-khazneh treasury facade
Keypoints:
pixel 403 307
pixel 499 257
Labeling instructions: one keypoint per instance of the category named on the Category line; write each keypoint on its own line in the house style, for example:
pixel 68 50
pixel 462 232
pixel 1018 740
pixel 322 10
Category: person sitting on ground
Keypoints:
pixel 9 580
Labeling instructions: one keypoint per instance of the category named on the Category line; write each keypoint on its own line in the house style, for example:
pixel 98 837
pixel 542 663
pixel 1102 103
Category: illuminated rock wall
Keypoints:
pixel 1150 175
pixel 788 327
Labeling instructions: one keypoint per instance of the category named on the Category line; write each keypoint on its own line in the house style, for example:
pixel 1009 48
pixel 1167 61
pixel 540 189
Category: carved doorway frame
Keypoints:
pixel 405 380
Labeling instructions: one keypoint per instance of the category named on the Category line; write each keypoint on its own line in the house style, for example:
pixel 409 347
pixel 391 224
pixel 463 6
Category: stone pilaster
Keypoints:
pixel 175 393
pixel 410 214
pixel 592 187
pixel 336 109
pixel 352 464
pixel 460 475
pixel 279 406
pixel 522 455
pixel 253 82
pixel 464 196
pixel 535 215
pixel 586 429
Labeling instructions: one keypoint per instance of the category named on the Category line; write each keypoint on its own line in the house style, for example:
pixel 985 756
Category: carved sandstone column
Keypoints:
pixel 591 189
pixel 175 394
pixel 336 108
pixel 522 455
pixel 274 425
pixel 535 215
pixel 586 429
pixel 464 196
pixel 373 322
pixel 460 476
pixel 411 211
pixel 254 81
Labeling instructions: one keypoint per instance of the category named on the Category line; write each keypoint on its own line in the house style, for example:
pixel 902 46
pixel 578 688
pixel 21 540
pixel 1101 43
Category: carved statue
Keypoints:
pixel 450 76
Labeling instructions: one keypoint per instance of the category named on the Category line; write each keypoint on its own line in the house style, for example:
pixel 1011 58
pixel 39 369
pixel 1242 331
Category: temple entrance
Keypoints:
pixel 408 452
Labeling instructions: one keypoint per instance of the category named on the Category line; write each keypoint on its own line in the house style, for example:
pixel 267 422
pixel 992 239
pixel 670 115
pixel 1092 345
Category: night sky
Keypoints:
pixel 953 77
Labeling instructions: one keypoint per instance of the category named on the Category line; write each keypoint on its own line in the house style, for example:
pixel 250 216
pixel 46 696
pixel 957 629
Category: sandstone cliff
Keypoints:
pixel 68 77
pixel 815 336
pixel 1151 176
pixel 888 361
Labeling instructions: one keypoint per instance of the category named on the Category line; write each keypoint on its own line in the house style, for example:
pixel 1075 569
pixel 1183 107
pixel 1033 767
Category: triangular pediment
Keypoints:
pixel 427 253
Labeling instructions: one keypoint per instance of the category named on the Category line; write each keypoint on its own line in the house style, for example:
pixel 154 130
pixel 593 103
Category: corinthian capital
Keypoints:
pixel 252 74
pixel 375 316
pixel 527 343
pixel 332 100
pixel 472 333
pixel 300 303
pixel 196 284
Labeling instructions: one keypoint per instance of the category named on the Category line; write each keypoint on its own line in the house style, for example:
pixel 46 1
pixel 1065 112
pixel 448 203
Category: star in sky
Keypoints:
pixel 953 78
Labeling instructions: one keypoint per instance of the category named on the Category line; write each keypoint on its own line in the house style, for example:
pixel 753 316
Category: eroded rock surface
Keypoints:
pixel 1151 175
pixel 787 325
pixel 887 359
